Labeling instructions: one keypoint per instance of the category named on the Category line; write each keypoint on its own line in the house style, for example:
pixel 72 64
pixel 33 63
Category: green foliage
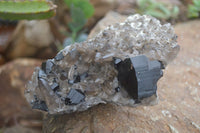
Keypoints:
pixel 80 11
pixel 157 9
pixel 77 20
pixel 83 5
pixel 194 9
pixel 26 9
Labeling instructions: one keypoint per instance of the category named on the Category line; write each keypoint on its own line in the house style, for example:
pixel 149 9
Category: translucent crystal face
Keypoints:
pixel 84 74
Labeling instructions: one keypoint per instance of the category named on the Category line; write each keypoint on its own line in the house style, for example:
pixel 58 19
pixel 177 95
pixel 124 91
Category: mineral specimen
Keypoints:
pixel 121 65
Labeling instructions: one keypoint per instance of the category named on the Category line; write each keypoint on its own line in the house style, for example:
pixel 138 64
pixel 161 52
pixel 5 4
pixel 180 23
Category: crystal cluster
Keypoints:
pixel 121 65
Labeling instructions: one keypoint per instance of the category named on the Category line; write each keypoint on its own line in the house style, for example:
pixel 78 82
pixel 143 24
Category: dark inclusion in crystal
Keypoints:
pixel 76 79
pixel 63 75
pixel 139 75
pixel 55 86
pixel 117 89
pixel 41 105
pixel 74 97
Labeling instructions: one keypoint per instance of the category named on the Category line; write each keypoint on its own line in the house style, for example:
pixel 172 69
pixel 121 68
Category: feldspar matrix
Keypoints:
pixel 121 65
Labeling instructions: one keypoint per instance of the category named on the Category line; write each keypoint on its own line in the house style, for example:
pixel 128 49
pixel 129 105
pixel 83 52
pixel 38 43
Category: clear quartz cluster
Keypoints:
pixel 83 75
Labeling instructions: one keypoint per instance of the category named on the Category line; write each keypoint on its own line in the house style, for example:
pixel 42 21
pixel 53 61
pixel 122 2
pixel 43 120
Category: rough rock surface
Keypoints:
pixel 14 110
pixel 109 19
pixel 86 70
pixel 178 110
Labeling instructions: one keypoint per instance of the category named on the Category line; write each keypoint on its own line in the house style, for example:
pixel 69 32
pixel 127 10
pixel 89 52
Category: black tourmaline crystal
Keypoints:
pixel 75 80
pixel 41 74
pixel 59 56
pixel 74 97
pixel 139 76
pixel 37 104
pixel 41 105
pixel 47 66
pixel 55 86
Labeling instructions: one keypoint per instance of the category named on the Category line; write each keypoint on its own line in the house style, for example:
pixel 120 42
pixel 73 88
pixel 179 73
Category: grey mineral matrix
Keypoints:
pixel 121 65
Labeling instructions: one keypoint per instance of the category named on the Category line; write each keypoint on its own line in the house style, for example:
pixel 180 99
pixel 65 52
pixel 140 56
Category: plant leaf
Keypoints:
pixel 27 9
pixel 156 14
pixel 84 5
pixel 175 11
pixel 196 3
pixel 87 8
pixel 78 19
pixel 165 11
pixel 192 11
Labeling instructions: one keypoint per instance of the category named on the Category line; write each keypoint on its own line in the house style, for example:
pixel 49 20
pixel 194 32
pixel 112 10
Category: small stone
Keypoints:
pixel 74 97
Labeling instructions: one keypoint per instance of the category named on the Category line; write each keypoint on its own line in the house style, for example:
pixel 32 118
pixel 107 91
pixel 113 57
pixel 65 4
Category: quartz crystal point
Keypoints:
pixel 121 65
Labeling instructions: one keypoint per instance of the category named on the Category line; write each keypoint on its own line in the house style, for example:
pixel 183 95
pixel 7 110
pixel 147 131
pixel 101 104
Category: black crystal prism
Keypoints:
pixel 117 89
pixel 74 97
pixel 139 76
pixel 127 77
pixel 59 56
pixel 41 74
pixel 38 104
pixel 55 86
pixel 76 79
pixel 47 66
